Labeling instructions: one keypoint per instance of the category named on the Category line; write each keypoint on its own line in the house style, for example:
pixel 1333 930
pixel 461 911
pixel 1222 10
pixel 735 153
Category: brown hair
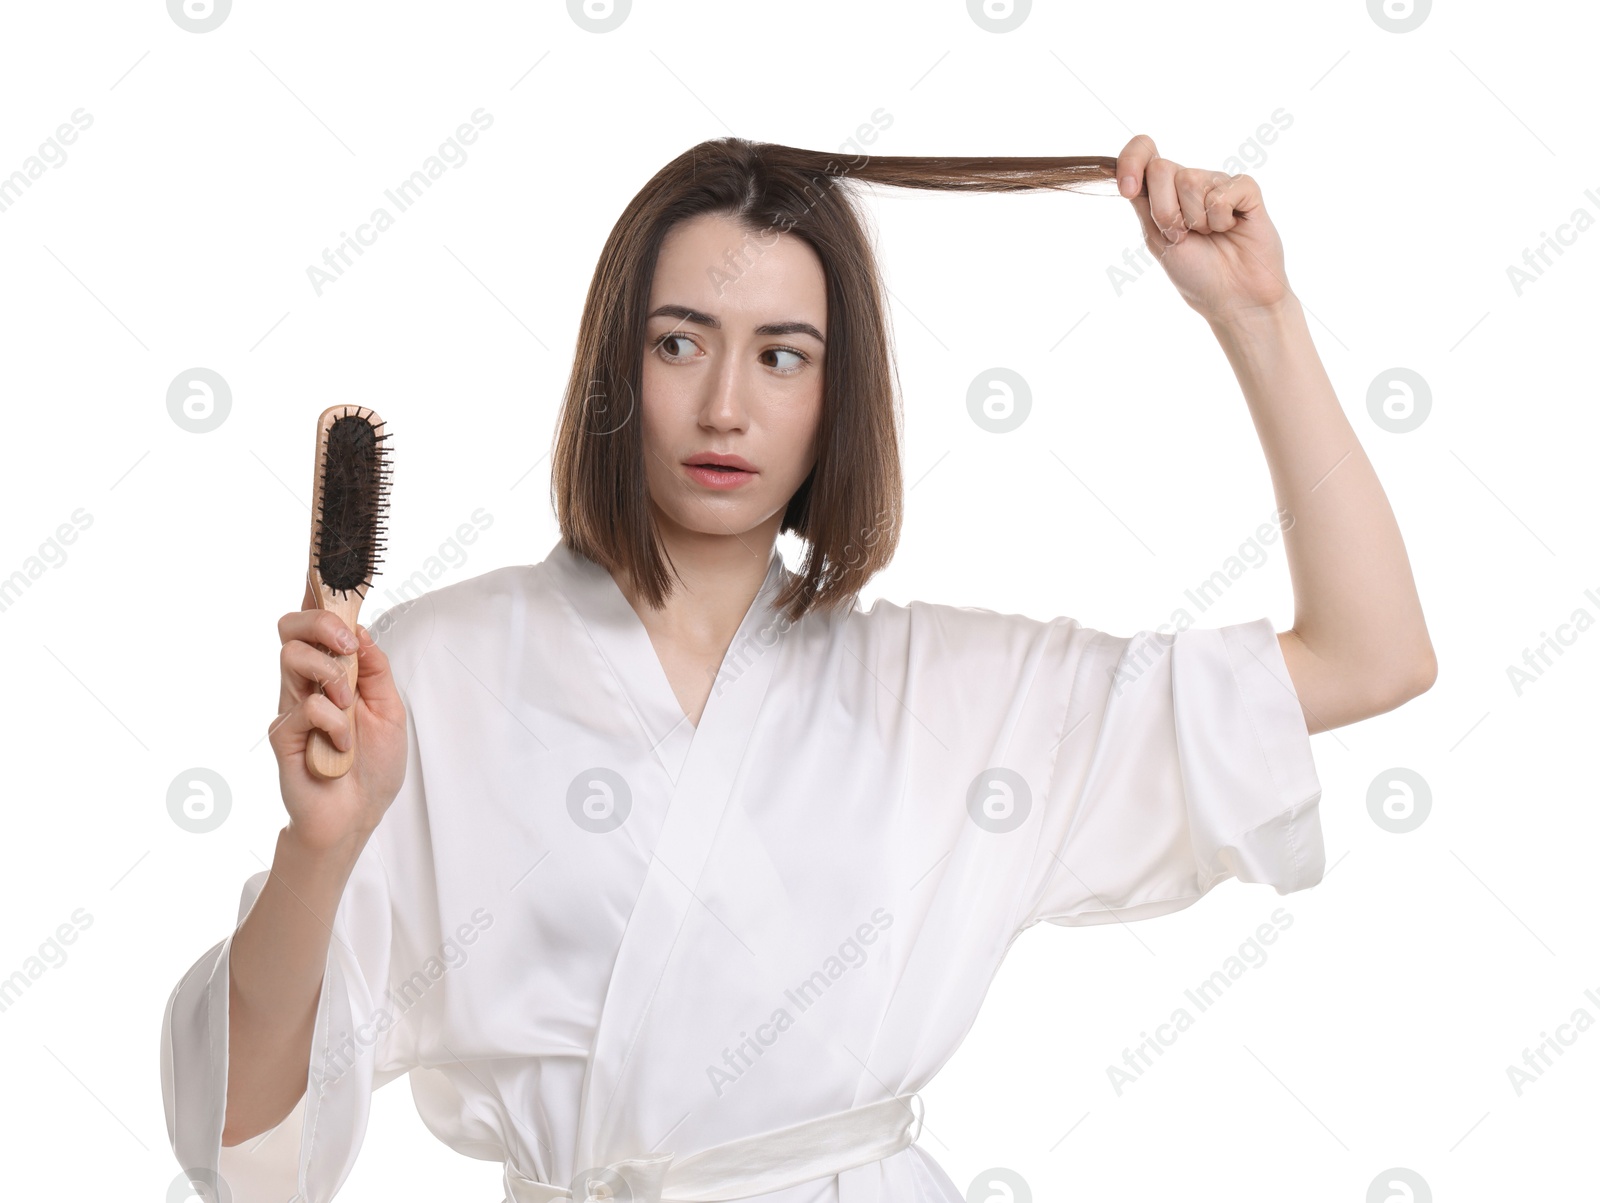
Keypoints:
pixel 849 508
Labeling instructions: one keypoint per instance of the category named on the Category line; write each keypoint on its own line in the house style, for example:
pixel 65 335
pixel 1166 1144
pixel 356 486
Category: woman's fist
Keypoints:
pixel 329 813
pixel 1208 229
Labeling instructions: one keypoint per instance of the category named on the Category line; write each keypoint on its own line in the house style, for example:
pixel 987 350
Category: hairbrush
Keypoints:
pixel 350 497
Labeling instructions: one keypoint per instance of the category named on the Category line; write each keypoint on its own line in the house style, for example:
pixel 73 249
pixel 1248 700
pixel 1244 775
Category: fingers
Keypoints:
pixel 318 626
pixel 1150 182
pixel 1172 200
pixel 1193 184
pixel 317 694
pixel 1228 200
pixel 1131 163
pixel 1161 185
pixel 1208 199
pixel 288 732
pixel 308 670
pixel 338 724
pixel 374 680
pixel 313 641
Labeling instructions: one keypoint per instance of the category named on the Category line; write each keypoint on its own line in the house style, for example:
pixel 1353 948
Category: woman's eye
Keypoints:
pixel 667 344
pixel 665 339
pixel 796 362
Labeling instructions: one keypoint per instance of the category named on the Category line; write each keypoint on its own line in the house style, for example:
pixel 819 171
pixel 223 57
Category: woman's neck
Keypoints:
pixel 718 578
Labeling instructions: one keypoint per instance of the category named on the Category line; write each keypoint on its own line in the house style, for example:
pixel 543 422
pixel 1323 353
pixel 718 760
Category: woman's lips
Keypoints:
pixel 718 478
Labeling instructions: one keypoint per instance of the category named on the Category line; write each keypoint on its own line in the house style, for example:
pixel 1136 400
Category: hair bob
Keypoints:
pixel 849 509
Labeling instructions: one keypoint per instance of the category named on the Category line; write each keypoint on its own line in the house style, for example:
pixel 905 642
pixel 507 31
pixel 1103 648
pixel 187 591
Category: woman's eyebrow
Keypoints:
pixel 684 313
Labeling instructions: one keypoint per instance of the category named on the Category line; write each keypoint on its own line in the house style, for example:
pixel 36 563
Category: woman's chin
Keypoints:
pixel 715 516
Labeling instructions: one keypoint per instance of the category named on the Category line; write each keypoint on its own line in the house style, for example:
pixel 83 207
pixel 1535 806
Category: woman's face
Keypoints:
pixel 732 367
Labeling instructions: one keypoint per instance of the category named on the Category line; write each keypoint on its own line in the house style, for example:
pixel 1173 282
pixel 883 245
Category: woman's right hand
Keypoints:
pixel 341 812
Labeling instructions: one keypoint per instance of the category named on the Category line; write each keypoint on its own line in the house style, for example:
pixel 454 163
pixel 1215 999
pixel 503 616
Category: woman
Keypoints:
pixel 669 873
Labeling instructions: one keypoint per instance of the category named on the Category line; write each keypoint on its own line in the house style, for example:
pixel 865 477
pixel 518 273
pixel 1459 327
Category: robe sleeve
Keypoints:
pixel 1183 760
pixel 359 1041
pixel 350 1057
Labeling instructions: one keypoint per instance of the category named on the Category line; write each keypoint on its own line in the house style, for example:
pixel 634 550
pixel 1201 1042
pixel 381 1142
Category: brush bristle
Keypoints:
pixel 355 483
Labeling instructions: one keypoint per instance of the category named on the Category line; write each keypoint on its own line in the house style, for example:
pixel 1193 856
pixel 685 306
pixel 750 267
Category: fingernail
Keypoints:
pixel 347 641
pixel 1129 185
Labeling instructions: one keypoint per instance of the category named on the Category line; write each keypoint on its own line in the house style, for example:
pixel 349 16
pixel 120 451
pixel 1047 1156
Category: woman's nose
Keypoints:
pixel 724 406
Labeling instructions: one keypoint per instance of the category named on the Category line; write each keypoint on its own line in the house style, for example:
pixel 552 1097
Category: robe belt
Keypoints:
pixel 740 1169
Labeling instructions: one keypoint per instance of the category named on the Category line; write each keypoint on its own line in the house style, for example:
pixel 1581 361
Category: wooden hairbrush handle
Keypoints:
pixel 323 758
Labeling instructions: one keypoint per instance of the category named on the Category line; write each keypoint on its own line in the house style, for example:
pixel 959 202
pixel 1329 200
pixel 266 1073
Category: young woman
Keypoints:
pixel 668 873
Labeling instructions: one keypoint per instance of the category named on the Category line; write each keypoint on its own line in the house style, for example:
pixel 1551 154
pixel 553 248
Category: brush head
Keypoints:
pixel 352 498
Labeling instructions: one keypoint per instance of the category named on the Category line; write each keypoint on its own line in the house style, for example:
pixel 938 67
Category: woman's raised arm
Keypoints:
pixel 1359 645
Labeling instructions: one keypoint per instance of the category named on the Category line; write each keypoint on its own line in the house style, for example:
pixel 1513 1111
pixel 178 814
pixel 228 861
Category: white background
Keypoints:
pixel 1416 168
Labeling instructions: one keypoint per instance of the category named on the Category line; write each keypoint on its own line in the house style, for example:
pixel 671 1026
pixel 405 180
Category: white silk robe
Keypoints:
pixel 591 931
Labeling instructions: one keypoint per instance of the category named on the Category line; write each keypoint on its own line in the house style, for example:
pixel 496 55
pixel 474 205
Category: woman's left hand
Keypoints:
pixel 1223 256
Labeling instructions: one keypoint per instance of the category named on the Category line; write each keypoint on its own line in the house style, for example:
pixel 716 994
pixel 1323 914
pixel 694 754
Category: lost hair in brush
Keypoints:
pixel 350 499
